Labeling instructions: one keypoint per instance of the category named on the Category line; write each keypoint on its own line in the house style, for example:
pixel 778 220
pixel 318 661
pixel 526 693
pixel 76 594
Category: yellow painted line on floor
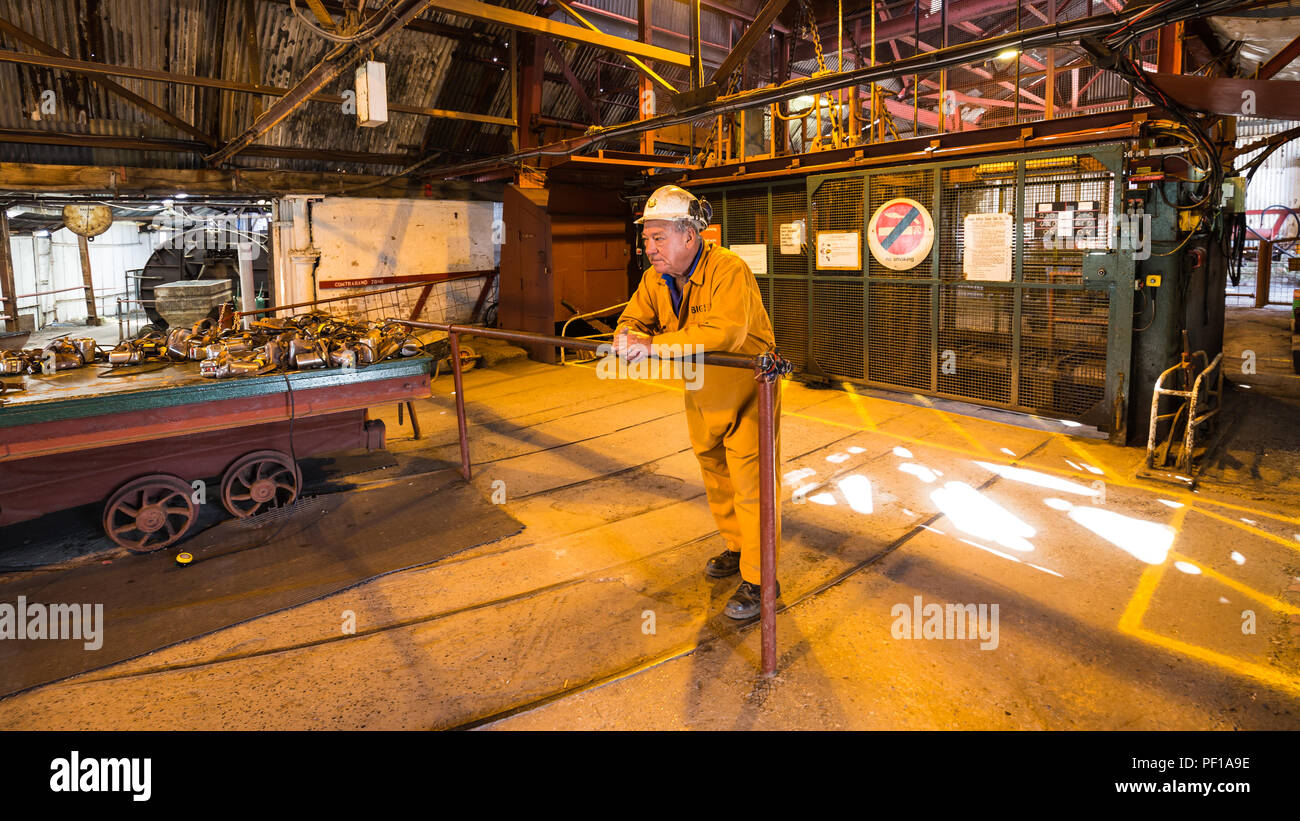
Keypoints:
pixel 950 422
pixel 1131 620
pixel 1130 623
pixel 1088 458
pixel 1263 534
pixel 860 407
pixel 1174 494
pixel 1233 665
pixel 1227 581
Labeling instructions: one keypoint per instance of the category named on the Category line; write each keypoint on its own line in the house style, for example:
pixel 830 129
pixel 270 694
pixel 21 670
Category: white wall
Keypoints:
pixel 1277 182
pixel 54 262
pixel 385 239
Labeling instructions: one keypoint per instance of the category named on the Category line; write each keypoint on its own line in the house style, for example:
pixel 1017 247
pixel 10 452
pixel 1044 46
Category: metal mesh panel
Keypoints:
pixel 789 204
pixel 790 319
pixel 837 206
pixel 887 185
pixel 837 328
pixel 1063 349
pixel 974 358
pixel 745 222
pixel 983 189
pixel 899 340
pixel 746 217
pixel 962 339
pixel 1067 202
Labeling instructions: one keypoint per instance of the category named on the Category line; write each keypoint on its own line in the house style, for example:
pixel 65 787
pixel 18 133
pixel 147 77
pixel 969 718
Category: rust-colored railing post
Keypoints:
pixel 767 521
pixel 460 404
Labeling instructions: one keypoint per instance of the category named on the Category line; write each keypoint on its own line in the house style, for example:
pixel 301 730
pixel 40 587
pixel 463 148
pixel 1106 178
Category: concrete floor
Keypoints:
pixel 1121 603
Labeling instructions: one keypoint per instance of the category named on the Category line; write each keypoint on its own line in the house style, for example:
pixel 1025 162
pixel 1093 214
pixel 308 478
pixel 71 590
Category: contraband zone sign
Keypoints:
pixel 900 234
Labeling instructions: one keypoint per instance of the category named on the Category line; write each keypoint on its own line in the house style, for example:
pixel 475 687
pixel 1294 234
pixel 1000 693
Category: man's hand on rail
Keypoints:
pixel 630 345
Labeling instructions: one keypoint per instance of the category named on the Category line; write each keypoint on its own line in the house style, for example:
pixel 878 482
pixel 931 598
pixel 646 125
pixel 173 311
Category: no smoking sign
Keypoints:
pixel 900 234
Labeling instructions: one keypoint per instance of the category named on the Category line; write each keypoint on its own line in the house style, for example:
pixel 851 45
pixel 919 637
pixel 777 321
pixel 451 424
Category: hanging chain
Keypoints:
pixel 838 137
pixel 710 153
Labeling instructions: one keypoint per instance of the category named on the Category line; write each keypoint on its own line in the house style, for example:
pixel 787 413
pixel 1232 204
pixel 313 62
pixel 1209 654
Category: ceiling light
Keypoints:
pixel 1008 54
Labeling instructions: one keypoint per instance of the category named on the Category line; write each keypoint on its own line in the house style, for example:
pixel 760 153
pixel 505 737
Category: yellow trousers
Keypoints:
pixel 722 419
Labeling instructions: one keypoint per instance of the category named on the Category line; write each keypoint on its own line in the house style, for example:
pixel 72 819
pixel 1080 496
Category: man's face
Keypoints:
pixel 670 251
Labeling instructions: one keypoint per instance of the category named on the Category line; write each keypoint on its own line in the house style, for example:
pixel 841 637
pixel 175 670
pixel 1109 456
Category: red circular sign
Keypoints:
pixel 911 233
pixel 900 234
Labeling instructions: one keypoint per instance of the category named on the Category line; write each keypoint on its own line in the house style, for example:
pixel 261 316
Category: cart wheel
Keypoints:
pixel 259 481
pixel 149 513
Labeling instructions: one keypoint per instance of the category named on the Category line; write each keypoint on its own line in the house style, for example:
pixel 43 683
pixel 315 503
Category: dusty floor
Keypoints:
pixel 1120 603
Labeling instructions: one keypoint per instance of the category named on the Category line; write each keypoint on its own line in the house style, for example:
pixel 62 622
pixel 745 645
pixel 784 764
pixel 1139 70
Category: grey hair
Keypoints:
pixel 685 227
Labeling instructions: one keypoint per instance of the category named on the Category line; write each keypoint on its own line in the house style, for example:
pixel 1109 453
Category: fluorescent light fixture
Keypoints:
pixel 182 196
pixel 1008 54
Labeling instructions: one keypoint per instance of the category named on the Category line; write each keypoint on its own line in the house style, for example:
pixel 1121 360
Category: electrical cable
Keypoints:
pixel 368 29
pixel 1153 315
pixel 1178 247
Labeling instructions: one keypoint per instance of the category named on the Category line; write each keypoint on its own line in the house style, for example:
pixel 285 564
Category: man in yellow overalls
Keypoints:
pixel 698 293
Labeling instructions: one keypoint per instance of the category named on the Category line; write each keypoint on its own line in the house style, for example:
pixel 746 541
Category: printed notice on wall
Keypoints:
pixel 989 248
pixel 755 256
pixel 792 237
pixel 839 250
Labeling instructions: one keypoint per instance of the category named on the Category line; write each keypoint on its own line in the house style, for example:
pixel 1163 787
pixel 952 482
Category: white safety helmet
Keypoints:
pixel 672 202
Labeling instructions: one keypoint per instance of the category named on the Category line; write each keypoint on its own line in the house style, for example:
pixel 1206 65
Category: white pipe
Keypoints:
pixel 248 299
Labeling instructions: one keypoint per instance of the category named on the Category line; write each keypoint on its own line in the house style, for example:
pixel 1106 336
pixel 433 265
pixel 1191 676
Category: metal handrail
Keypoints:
pixel 564 329
pixel 766 446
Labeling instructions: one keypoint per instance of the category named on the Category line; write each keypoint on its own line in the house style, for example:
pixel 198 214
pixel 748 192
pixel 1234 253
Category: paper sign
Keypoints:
pixel 839 251
pixel 755 256
pixel 793 237
pixel 988 249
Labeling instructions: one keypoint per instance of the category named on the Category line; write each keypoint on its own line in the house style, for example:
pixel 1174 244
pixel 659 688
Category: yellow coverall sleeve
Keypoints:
pixel 725 324
pixel 639 315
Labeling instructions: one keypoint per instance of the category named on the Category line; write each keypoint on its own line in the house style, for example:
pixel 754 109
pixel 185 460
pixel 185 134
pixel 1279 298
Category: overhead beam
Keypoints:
pixel 41 137
pixel 762 21
pixel 636 62
pixel 333 64
pixel 153 75
pixel 252 53
pixel 322 16
pixel 425 27
pixel 540 25
pixel 569 77
pixel 108 85
pixel 634 21
pixel 246 182
pixel 1280 60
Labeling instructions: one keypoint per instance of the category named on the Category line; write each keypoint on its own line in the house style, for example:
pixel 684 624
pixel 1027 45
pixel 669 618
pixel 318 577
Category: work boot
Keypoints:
pixel 747 601
pixel 726 563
